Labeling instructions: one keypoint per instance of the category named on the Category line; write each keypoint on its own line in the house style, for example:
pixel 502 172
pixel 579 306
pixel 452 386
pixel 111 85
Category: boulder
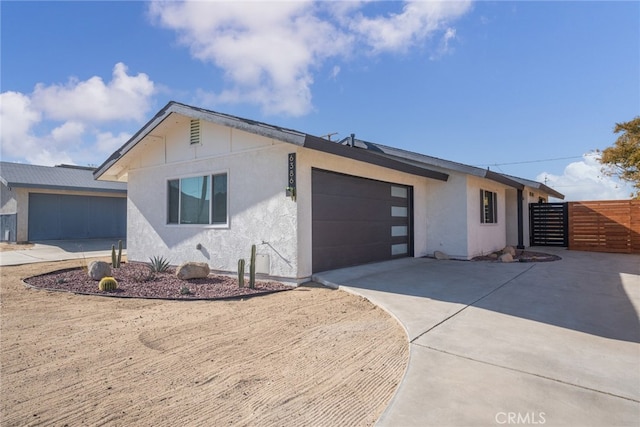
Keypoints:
pixel 192 270
pixel 506 258
pixel 509 250
pixel 440 255
pixel 99 269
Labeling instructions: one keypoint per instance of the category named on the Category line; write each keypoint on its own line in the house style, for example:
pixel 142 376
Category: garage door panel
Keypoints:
pixel 357 220
pixel 74 217
pixel 343 233
pixel 61 216
pixel 329 258
pixel 331 207
pixel 44 216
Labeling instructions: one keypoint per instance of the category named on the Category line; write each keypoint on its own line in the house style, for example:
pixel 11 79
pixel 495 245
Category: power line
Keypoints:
pixel 534 161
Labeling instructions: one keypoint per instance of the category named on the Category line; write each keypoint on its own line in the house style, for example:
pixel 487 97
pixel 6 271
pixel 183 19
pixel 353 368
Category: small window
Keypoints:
pixel 488 207
pixel 197 200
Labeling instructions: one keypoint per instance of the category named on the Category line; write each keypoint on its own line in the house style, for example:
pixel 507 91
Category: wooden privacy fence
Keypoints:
pixel 604 226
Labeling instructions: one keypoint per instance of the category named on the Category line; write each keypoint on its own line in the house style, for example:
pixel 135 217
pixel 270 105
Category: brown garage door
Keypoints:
pixel 357 220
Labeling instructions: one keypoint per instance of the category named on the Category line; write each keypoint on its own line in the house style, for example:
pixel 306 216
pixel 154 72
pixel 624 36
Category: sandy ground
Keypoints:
pixel 311 356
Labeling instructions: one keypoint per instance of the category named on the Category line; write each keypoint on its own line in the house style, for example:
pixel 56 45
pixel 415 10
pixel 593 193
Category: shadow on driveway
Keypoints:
pixel 594 293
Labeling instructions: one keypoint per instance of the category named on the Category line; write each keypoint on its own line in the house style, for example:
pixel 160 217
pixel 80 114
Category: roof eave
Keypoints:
pixel 319 144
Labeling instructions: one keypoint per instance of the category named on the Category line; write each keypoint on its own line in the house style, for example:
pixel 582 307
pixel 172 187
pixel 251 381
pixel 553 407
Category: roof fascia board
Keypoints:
pixel 144 131
pixel 251 126
pixel 319 144
pixel 550 191
pixel 65 188
pixel 430 161
pixel 263 129
pixel 498 177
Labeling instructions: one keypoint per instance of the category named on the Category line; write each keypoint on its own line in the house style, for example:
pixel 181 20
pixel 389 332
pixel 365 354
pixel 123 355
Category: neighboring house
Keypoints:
pixel 59 203
pixel 205 186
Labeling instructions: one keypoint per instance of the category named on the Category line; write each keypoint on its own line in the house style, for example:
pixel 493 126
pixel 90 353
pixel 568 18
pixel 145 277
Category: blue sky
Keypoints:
pixel 525 88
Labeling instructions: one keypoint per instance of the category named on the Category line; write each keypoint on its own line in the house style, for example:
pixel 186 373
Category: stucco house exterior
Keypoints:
pixel 59 203
pixel 205 186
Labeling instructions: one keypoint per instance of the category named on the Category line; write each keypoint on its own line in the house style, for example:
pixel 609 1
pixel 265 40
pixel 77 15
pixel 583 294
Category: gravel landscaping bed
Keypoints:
pixel 135 280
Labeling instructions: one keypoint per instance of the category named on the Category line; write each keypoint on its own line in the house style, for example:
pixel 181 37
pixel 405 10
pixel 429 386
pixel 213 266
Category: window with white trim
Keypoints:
pixel 197 200
pixel 488 207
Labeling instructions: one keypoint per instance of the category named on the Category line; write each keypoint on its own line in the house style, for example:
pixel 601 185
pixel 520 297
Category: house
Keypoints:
pixel 205 186
pixel 59 203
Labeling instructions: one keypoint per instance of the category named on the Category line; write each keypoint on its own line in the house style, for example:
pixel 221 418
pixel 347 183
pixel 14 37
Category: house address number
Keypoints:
pixel 291 175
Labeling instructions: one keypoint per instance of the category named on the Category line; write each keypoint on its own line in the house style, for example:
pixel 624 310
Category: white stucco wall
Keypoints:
pixel 8 202
pixel 485 238
pixel 259 212
pixel 446 216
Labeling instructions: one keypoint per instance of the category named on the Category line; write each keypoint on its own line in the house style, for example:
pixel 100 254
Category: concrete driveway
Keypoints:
pixel 58 250
pixel 549 343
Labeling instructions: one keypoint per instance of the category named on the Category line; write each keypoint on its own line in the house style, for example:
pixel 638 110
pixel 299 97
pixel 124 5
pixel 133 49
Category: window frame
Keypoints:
pixel 211 184
pixel 488 211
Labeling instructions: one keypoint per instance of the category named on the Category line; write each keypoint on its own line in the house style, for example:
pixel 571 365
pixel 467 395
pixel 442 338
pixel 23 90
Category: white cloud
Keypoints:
pixel 584 180
pixel 69 132
pixel 107 142
pixel 125 97
pixel 17 117
pixel 55 124
pixel 269 50
pixel 418 21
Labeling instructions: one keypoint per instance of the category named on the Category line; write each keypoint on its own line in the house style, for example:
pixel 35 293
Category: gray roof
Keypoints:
pixel 394 158
pixel 62 177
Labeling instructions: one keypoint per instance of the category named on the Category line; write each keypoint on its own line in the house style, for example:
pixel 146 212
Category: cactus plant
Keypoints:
pixel 113 256
pixel 252 268
pixel 119 252
pixel 107 284
pixel 241 273
pixel 115 260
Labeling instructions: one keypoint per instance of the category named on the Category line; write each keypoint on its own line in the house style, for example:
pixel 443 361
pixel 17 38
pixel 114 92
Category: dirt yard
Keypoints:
pixel 311 356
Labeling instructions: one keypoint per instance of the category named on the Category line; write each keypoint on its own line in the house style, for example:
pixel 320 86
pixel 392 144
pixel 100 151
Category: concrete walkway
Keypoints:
pixel 553 343
pixel 59 250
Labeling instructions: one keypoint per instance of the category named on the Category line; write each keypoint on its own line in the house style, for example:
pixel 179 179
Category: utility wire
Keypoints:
pixel 534 161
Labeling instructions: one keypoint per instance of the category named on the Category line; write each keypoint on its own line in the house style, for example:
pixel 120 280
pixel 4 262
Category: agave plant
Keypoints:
pixel 158 264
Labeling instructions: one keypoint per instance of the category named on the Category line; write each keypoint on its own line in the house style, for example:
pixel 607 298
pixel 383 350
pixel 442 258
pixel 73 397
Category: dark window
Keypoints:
pixel 488 207
pixel 197 200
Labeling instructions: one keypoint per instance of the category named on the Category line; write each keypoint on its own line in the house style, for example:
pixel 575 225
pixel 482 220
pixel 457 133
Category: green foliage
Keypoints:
pixel 185 291
pixel 107 284
pixel 115 260
pixel 241 273
pixel 119 252
pixel 252 268
pixel 623 158
pixel 158 264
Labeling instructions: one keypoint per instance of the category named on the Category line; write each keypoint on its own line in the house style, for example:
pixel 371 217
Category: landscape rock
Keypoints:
pixel 192 270
pixel 440 255
pixel 99 269
pixel 509 250
pixel 506 258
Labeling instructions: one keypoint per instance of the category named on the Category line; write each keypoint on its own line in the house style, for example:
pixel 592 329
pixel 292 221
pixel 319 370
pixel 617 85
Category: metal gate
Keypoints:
pixel 548 224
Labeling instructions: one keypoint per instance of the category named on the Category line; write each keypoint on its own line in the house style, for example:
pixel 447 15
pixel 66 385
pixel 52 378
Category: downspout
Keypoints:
pixel 520 220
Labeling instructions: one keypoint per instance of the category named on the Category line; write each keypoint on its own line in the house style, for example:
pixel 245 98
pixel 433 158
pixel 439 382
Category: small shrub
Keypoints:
pixel 185 291
pixel 158 264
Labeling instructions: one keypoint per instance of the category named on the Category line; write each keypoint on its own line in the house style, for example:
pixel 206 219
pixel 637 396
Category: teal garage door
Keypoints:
pixel 66 217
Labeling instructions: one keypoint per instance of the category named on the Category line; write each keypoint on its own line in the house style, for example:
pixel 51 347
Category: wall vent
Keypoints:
pixel 194 136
